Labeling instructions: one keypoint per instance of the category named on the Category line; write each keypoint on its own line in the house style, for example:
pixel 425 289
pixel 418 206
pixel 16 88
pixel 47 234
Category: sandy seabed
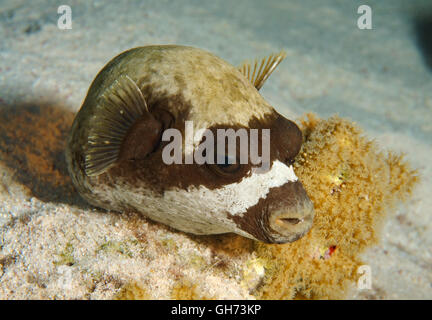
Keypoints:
pixel 379 78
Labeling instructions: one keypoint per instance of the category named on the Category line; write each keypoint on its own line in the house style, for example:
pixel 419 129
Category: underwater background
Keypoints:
pixel 379 78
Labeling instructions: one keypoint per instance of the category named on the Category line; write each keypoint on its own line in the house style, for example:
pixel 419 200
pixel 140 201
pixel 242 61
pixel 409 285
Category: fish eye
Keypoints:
pixel 226 162
pixel 226 165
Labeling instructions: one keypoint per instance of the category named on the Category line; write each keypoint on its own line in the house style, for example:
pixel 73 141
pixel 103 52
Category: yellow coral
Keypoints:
pixel 133 291
pixel 253 274
pixel 187 290
pixel 66 256
pixel 182 289
pixel 351 184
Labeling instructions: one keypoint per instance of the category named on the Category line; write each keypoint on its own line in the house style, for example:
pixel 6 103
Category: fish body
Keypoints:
pixel 115 149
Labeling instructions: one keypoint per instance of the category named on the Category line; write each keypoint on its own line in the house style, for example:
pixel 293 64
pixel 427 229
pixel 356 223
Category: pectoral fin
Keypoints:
pixel 119 108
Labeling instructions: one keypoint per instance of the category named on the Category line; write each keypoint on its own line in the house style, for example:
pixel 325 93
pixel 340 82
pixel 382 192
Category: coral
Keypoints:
pixel 253 273
pixel 196 261
pixel 117 247
pixel 133 291
pixel 66 256
pixel 185 289
pixel 352 185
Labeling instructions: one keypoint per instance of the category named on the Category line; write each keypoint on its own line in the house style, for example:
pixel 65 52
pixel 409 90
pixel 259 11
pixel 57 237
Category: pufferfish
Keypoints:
pixel 114 150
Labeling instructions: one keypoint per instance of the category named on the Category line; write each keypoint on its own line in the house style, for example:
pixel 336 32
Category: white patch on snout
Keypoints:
pixel 236 198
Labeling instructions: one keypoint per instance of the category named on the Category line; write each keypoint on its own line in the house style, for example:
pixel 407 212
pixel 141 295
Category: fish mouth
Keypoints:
pixel 293 223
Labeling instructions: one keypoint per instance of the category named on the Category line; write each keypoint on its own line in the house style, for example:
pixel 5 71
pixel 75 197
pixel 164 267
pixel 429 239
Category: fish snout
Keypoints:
pixel 292 218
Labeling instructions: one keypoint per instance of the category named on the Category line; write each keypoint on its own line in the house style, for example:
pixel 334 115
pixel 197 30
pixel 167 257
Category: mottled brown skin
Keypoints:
pixel 169 105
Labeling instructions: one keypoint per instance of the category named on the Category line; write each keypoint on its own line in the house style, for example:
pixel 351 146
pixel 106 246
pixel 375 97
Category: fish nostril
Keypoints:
pixel 291 220
pixel 290 161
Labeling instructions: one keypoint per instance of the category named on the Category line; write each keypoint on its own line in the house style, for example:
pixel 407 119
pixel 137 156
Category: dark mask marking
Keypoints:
pixel 285 142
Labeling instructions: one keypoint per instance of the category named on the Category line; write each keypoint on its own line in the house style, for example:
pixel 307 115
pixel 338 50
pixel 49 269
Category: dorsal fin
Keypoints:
pixel 121 105
pixel 259 73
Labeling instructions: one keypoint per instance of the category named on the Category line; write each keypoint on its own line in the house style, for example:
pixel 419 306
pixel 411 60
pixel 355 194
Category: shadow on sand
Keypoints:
pixel 32 143
pixel 423 30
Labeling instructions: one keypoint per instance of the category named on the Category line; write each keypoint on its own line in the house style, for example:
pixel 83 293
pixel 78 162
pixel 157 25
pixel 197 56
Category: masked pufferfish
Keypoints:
pixel 114 150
